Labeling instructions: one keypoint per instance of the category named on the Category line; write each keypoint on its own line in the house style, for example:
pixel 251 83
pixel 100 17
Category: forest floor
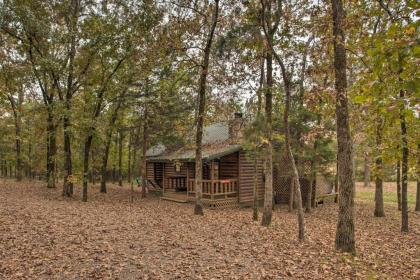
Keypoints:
pixel 46 236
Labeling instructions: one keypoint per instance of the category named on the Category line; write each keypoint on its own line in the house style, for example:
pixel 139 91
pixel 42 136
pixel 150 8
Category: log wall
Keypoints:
pixel 246 179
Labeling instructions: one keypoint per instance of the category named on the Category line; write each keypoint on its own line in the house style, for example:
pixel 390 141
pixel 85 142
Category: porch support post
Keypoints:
pixel 163 178
pixel 188 179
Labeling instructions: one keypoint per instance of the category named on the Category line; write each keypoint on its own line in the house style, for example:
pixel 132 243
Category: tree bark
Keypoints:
pixel 344 239
pixel 198 209
pixel 379 198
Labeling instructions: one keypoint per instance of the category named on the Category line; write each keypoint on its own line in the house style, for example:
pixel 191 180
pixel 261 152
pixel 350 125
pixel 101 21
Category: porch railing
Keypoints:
pixel 214 189
pixel 175 183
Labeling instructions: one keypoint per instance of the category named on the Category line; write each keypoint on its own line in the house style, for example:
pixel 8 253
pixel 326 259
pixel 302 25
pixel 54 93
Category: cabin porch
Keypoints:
pixel 215 193
pixel 220 184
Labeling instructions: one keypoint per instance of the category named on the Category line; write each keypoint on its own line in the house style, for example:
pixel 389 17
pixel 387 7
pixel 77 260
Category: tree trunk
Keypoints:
pixel 108 140
pixel 268 170
pixel 143 156
pixel 399 184
pixel 344 240
pixel 68 169
pixel 91 130
pixel 255 188
pixel 379 198
pixel 130 143
pixel 68 166
pixel 198 209
pixel 105 160
pixel 256 155
pixel 17 115
pixel 30 159
pixel 120 154
pixel 87 146
pixel 404 169
pixel 297 187
pixel 404 172
pixel 51 149
pixel 366 173
pixel 291 194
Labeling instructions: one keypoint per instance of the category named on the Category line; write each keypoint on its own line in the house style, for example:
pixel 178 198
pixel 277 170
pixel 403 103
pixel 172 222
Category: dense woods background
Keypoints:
pixel 88 86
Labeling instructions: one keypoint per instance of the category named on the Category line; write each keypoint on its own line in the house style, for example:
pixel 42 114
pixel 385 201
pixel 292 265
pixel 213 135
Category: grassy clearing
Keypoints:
pixel 390 193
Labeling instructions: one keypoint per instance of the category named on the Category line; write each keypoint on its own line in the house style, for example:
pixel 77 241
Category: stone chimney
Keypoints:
pixel 235 128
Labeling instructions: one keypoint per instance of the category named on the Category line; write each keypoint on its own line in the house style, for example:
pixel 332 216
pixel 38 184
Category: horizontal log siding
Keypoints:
pixel 170 171
pixel 228 166
pixel 150 171
pixel 246 178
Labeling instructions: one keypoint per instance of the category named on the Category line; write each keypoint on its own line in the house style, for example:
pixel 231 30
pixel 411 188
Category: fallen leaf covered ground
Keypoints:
pixel 46 236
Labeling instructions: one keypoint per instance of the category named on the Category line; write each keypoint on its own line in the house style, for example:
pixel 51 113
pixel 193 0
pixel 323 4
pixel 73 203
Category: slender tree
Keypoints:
pixel 287 84
pixel 344 239
pixel 379 197
pixel 198 209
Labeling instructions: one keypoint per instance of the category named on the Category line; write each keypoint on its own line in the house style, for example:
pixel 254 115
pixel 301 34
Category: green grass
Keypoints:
pixel 389 197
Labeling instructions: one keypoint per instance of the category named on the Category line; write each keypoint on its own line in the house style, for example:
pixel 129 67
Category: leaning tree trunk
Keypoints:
pixel 344 239
pixel 297 187
pixel 366 173
pixel 379 197
pixel 287 88
pixel 198 209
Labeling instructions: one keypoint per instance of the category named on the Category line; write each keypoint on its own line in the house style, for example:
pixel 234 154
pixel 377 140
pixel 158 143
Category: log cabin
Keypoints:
pixel 228 170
